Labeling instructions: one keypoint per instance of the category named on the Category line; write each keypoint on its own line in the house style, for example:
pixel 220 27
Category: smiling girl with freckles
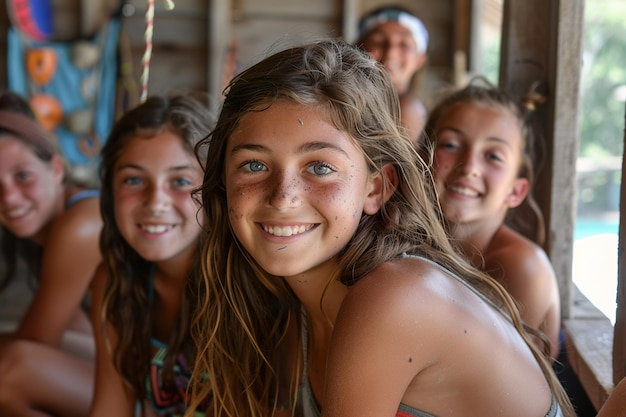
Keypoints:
pixel 328 282
pixel 482 169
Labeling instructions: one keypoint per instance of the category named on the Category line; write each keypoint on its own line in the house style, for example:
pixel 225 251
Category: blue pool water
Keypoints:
pixel 586 228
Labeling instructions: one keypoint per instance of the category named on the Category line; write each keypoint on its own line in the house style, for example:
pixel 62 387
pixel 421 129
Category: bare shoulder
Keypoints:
pixel 80 221
pixel 525 271
pixel 513 255
pixel 85 211
pixel 415 333
pixel 405 289
pixel 397 277
pixel 405 308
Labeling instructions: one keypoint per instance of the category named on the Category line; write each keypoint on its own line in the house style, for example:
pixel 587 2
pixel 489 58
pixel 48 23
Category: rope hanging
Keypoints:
pixel 147 55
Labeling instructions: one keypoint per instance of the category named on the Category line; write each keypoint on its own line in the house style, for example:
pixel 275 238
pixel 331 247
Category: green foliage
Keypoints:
pixel 603 82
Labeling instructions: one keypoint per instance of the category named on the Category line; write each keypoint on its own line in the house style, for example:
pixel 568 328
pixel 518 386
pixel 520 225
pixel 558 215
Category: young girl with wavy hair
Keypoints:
pixel 149 243
pixel 324 225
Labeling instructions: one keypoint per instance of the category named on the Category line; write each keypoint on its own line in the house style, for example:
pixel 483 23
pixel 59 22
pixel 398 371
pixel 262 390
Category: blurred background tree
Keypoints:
pixel 603 83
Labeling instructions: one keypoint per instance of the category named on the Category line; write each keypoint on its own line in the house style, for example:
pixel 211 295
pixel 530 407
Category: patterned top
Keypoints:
pixel 168 401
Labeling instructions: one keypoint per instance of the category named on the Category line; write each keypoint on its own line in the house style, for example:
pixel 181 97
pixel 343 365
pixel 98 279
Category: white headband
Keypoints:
pixel 415 25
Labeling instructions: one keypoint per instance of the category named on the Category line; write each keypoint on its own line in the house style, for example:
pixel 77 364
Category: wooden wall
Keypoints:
pixel 191 42
pixel 180 53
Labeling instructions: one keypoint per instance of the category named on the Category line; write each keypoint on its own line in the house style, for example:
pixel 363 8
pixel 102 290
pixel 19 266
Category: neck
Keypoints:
pixel 474 238
pixel 176 269
pixel 320 298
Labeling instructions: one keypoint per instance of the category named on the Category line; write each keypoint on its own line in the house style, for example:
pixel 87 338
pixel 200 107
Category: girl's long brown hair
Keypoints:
pixel 126 301
pixel 243 312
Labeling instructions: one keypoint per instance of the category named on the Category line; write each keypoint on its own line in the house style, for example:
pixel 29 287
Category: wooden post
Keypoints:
pixel 220 35
pixel 542 39
pixel 350 20
pixel 619 335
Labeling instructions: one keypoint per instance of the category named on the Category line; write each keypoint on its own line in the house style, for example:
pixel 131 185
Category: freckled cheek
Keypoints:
pixel 442 168
pixel 343 200
pixel 241 199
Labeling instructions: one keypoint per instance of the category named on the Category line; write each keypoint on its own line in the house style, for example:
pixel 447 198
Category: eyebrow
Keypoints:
pixel 305 148
pixel 140 168
pixel 490 138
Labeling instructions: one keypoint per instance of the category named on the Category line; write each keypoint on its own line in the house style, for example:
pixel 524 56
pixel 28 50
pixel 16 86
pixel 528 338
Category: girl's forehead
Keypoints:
pixel 16 143
pixel 479 119
pixel 483 109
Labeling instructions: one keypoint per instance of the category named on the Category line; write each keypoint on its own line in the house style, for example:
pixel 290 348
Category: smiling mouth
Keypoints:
pixel 156 229
pixel 287 230
pixel 463 191
pixel 14 214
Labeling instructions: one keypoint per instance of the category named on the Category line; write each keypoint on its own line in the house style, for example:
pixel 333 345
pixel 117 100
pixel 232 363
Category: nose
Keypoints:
pixel 8 193
pixel 468 164
pixel 157 199
pixel 285 191
pixel 389 51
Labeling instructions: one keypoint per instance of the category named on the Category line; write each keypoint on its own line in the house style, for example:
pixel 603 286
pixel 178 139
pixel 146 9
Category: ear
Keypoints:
pixel 382 186
pixel 518 192
pixel 58 167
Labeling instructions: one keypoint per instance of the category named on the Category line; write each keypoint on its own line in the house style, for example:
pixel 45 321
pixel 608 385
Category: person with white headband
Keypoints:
pixel 399 40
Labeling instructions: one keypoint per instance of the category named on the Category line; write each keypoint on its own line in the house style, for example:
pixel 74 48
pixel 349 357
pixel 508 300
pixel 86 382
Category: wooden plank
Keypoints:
pixel 175 30
pixel 351 14
pixel 279 35
pixel 167 74
pixel 291 8
pixel 462 27
pixel 565 78
pixel 619 344
pixel 220 34
pixel 542 42
pixel 190 7
pixel 179 60
pixel 589 343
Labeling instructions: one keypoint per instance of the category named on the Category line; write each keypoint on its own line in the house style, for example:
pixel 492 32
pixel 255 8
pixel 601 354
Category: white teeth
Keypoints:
pixel 287 230
pixel 17 212
pixel 155 229
pixel 464 191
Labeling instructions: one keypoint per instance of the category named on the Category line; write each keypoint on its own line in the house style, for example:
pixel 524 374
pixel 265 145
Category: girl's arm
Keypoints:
pixel 530 279
pixel 112 397
pixel 615 405
pixel 70 256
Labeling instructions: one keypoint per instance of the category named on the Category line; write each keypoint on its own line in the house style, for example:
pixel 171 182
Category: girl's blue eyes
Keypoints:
pixel 23 175
pixel 177 182
pixel 182 182
pixel 453 146
pixel 255 166
pixel 320 168
pixel 132 181
pixel 448 146
pixel 317 168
